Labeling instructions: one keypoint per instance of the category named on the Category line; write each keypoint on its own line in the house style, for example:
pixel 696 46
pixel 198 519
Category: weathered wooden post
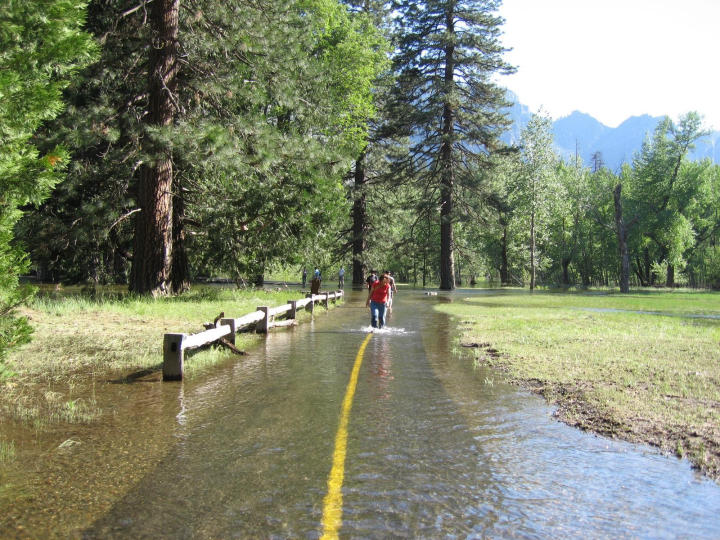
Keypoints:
pixel 327 300
pixel 311 304
pixel 233 329
pixel 292 314
pixel 173 357
pixel 264 323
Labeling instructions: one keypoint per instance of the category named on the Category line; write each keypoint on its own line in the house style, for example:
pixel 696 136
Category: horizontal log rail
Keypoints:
pixel 261 320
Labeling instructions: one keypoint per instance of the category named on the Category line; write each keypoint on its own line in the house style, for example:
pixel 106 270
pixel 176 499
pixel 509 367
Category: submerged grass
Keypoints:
pixel 643 367
pixel 80 338
pixel 7 451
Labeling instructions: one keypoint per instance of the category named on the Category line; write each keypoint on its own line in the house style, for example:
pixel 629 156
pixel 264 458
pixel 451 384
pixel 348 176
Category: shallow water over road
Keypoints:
pixel 435 449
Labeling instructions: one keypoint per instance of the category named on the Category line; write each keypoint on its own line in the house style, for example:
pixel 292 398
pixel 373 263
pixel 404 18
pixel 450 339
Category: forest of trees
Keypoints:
pixel 154 142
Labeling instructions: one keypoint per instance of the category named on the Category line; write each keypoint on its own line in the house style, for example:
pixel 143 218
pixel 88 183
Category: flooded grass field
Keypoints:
pixel 436 448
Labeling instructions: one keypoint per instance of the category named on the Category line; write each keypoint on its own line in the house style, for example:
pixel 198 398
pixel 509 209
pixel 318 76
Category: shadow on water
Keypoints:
pixel 436 448
pixel 144 375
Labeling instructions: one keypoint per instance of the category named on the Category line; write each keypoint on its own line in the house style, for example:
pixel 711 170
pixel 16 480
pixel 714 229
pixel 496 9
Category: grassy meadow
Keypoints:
pixel 644 367
pixel 79 338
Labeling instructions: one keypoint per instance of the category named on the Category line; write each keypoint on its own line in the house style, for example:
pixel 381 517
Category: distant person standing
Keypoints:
pixel 393 289
pixel 341 278
pixel 304 277
pixel 316 281
pixel 371 279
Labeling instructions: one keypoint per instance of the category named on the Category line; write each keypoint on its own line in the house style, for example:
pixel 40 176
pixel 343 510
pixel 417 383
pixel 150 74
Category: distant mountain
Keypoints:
pixel 581 133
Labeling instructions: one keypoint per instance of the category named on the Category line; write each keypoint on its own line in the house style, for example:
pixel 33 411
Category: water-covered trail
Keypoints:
pixel 435 448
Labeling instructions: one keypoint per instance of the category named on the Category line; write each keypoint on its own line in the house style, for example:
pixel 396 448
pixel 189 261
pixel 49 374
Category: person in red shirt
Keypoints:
pixel 377 301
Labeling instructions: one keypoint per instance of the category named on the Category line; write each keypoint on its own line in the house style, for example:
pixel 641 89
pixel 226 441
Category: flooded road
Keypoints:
pixel 435 448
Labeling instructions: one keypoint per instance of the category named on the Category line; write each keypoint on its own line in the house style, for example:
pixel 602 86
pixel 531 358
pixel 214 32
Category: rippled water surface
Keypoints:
pixel 435 449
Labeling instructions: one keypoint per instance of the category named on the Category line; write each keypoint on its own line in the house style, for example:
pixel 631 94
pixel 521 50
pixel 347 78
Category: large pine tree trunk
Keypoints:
pixel 447 266
pixel 622 242
pixel 152 257
pixel 360 226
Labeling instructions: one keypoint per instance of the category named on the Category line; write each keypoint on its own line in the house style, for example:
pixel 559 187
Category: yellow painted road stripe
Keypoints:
pixel 332 507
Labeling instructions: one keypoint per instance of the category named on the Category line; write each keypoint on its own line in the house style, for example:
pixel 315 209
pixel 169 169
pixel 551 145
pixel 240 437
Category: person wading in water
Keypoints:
pixel 377 301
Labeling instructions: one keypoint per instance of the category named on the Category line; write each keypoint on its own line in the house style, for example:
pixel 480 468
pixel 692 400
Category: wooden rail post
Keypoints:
pixel 173 357
pixel 311 304
pixel 327 300
pixel 292 314
pixel 231 324
pixel 264 323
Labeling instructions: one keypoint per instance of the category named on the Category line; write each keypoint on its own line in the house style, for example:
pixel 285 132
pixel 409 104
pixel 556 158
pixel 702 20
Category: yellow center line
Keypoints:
pixel 332 506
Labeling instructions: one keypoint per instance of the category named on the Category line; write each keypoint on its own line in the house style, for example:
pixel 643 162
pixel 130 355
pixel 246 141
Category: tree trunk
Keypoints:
pixel 152 257
pixel 447 266
pixel 638 272
pixel 424 270
pixel 504 274
pixel 650 275
pixel 566 271
pixel 670 281
pixel 532 251
pixel 180 271
pixel 360 226
pixel 621 232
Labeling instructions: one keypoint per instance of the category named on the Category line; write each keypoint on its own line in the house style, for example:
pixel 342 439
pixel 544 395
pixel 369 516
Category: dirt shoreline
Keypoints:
pixel 574 409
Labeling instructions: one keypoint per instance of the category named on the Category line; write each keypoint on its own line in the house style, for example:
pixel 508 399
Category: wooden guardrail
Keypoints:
pixel 261 320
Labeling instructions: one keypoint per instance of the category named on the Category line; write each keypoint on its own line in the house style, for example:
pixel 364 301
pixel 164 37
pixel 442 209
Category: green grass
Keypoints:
pixel 652 376
pixel 80 338
pixel 7 452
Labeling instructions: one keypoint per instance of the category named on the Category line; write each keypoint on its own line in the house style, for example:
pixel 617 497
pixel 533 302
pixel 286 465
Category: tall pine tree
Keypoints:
pixel 447 101
pixel 42 46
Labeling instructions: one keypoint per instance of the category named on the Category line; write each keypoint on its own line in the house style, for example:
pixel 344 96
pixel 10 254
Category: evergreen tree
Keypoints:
pixel 271 101
pixel 41 48
pixel 84 232
pixel 369 161
pixel 279 128
pixel 152 253
pixel 446 101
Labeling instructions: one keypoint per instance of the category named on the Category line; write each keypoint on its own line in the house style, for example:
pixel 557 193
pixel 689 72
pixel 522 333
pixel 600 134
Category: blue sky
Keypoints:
pixel 614 59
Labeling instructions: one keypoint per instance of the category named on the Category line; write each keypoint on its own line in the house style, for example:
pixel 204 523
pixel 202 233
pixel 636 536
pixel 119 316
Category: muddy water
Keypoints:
pixel 435 448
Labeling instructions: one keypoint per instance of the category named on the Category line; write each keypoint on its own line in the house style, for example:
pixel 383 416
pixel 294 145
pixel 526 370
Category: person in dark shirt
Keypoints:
pixel 372 278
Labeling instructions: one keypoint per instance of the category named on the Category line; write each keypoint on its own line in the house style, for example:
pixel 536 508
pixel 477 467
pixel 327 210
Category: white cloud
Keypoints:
pixel 615 58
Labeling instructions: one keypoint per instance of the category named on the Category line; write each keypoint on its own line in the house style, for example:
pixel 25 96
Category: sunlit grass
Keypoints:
pixel 7 452
pixel 79 338
pixel 644 362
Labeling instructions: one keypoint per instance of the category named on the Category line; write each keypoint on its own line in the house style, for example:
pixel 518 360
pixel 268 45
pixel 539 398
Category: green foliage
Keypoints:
pixel 267 185
pixel 275 102
pixel 662 189
pixel 272 99
pixel 446 102
pixel 79 234
pixel 41 49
